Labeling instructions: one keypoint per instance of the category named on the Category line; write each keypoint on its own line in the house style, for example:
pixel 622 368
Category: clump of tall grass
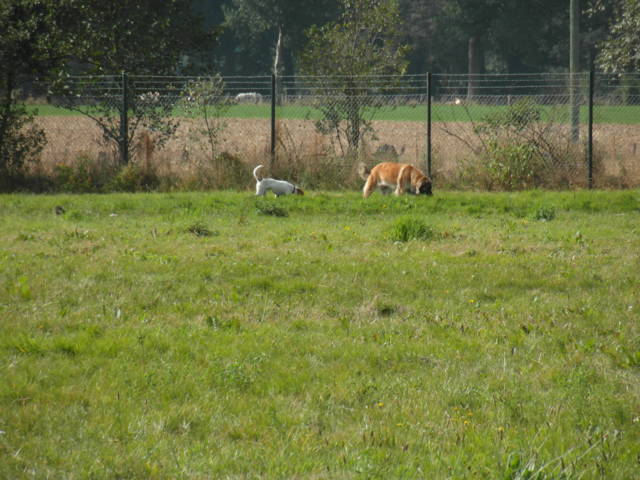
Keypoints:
pixel 407 228
pixel 199 229
pixel 268 207
pixel 545 214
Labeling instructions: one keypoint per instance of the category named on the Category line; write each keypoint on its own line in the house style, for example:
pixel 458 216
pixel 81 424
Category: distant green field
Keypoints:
pixel 440 113
pixel 215 335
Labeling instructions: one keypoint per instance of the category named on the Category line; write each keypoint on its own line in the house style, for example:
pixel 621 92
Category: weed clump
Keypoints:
pixel 266 207
pixel 410 228
pixel 199 230
pixel 545 214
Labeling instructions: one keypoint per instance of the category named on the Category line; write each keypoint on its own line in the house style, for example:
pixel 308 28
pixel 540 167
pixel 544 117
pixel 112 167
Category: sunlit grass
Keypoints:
pixel 194 336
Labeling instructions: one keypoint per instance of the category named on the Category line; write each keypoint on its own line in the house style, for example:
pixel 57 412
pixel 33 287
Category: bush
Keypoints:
pixel 76 178
pixel 134 178
pixel 521 150
pixel 512 165
pixel 225 171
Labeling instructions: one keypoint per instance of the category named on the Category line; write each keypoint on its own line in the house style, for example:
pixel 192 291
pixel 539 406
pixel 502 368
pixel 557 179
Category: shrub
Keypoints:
pixel 520 148
pixel 134 178
pixel 512 157
pixel 76 178
pixel 205 100
pixel 224 171
pixel 512 165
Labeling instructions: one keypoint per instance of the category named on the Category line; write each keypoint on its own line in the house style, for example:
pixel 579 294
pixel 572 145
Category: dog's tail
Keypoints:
pixel 255 172
pixel 363 171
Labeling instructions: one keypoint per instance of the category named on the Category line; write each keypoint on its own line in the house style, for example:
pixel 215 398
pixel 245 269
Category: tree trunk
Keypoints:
pixel 475 65
pixel 5 114
pixel 278 66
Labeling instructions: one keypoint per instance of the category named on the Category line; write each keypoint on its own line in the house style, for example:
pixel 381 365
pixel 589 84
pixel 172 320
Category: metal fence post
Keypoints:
pixel 590 127
pixel 429 91
pixel 124 120
pixel 574 67
pixel 273 119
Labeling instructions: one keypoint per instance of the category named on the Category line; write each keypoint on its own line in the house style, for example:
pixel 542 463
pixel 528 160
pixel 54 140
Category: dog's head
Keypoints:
pixel 424 188
pixel 298 191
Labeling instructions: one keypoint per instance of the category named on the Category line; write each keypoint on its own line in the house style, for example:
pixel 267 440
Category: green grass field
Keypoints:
pixel 212 335
pixel 623 114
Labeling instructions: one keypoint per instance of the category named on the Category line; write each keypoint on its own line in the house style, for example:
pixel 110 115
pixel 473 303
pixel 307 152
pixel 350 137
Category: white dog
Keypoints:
pixel 279 187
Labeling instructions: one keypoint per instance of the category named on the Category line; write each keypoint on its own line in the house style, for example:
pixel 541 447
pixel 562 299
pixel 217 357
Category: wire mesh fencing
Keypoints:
pixel 325 126
pixel 488 131
pixel 616 130
pixel 510 131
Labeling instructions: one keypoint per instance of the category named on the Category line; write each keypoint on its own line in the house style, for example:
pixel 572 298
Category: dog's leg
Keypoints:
pixel 260 191
pixel 368 186
pixel 400 182
pixel 404 177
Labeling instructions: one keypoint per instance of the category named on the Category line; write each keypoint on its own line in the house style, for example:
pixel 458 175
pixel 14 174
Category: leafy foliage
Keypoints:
pixel 252 26
pixel 149 36
pixel 365 41
pixel 32 43
pixel 517 148
pixel 620 52
pixel 20 141
pixel 147 110
pixel 204 100
pixel 141 37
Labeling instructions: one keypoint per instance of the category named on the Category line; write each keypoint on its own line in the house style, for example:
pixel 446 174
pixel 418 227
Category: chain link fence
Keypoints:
pixel 487 131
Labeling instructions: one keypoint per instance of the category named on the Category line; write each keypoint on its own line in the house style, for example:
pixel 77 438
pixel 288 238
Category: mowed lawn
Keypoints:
pixel 441 112
pixel 201 335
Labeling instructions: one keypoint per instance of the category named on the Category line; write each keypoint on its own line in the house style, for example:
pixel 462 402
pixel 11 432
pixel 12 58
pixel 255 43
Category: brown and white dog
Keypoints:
pixel 400 177
pixel 279 187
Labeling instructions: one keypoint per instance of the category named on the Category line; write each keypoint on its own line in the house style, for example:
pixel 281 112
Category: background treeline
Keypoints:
pixel 44 43
pixel 445 36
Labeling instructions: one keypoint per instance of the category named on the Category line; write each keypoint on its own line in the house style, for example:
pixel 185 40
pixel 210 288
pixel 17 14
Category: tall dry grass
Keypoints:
pixel 309 158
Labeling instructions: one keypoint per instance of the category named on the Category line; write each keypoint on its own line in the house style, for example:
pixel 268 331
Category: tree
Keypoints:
pixel 474 19
pixel 431 50
pixel 365 41
pixel 620 52
pixel 32 44
pixel 141 37
pixel 205 100
pixel 252 29
pixel 529 36
pixel 145 37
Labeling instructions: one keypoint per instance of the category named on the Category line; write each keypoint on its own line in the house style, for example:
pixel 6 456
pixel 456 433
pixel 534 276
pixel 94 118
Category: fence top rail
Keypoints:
pixel 318 79
pixel 404 75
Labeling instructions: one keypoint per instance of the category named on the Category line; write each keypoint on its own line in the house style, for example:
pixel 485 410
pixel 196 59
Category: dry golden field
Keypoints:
pixel 303 152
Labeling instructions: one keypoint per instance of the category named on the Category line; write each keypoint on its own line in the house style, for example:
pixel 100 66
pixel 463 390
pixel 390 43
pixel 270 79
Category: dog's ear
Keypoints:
pixel 299 191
